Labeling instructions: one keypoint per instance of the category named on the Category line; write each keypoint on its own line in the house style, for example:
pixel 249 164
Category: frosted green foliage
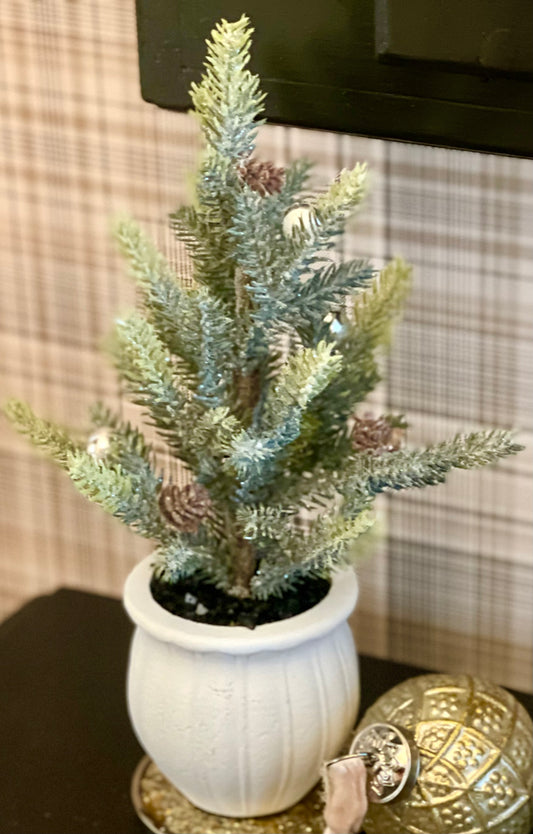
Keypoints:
pixel 358 376
pixel 326 546
pixel 142 359
pixel 305 375
pixel 129 496
pixel 50 438
pixel 127 445
pixel 227 103
pixel 211 437
pixel 228 214
pixel 368 475
pixel 172 310
pixel 266 524
pixel 228 100
pixel 217 352
pixel 180 559
pixel 341 199
pixel 147 263
pixel 203 231
pixel 326 290
pixel 214 431
pixel 147 368
pixel 261 248
pixel 252 375
pixel 283 294
pixel 257 451
pixel 376 310
pixel 328 215
pixel 296 177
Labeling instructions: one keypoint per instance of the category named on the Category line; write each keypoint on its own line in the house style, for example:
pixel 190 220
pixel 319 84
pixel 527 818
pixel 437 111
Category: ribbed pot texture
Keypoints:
pixel 241 720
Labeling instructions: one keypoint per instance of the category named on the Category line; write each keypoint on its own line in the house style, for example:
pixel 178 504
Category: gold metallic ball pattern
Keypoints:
pixel 476 754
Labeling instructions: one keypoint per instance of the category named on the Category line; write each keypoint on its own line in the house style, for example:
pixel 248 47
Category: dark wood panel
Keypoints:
pixel 474 36
pixel 320 68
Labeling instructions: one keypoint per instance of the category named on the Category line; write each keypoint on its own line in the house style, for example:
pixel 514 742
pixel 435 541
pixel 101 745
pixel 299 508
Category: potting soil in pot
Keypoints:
pixel 196 600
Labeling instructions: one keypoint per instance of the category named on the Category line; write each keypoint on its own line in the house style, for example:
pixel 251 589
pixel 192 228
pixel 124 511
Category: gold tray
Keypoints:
pixel 164 810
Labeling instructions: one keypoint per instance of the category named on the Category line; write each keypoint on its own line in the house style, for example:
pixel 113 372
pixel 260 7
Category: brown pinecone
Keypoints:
pixel 263 177
pixel 376 435
pixel 185 508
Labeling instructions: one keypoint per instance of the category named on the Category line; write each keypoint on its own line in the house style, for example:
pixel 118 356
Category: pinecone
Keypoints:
pixel 185 508
pixel 376 435
pixel 263 177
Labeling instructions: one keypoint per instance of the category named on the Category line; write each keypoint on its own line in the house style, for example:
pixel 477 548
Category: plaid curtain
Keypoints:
pixel 450 584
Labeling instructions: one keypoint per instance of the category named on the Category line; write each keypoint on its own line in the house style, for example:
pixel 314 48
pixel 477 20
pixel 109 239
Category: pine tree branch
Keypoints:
pixel 228 100
pixel 324 548
pixel 127 445
pixel 180 559
pixel 147 368
pixel 283 292
pixel 326 290
pixel 256 453
pixel 281 266
pixel 211 437
pixel 328 214
pixel 218 359
pixel 328 539
pixel 214 432
pixel 303 377
pixel 204 231
pixel 341 199
pixel 131 497
pixel 368 475
pixel 143 362
pixel 265 524
pixel 50 438
pixel 376 309
pixel 172 310
pixel 260 246
pixel 359 375
pixel 309 488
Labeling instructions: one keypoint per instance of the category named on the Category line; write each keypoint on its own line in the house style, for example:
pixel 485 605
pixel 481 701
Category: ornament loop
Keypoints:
pixel 368 759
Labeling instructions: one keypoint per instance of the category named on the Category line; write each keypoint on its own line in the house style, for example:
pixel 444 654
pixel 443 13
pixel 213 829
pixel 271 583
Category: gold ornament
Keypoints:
pixel 99 443
pixel 475 743
pixel 185 508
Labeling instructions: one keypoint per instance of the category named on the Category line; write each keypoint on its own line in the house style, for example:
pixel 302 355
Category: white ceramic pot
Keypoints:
pixel 241 720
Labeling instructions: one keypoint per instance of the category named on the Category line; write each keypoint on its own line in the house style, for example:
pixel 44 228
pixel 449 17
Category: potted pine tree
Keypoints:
pixel 243 674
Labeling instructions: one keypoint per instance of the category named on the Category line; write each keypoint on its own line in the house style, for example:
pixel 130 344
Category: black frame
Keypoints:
pixel 321 67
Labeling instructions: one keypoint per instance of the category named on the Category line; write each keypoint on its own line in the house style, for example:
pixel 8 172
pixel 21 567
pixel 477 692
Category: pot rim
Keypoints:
pixel 322 618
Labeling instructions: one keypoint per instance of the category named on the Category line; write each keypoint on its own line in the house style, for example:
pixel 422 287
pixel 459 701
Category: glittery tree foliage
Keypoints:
pixel 255 375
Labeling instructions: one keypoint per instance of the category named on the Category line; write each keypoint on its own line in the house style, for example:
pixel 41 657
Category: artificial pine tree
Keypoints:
pixel 253 376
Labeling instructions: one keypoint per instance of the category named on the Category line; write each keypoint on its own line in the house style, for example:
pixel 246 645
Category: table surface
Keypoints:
pixel 68 752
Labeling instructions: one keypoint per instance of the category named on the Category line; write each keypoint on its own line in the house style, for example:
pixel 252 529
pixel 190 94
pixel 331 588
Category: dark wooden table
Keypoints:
pixel 67 751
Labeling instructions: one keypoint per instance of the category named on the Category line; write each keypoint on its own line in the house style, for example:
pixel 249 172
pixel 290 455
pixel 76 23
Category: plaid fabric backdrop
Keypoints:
pixel 450 586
